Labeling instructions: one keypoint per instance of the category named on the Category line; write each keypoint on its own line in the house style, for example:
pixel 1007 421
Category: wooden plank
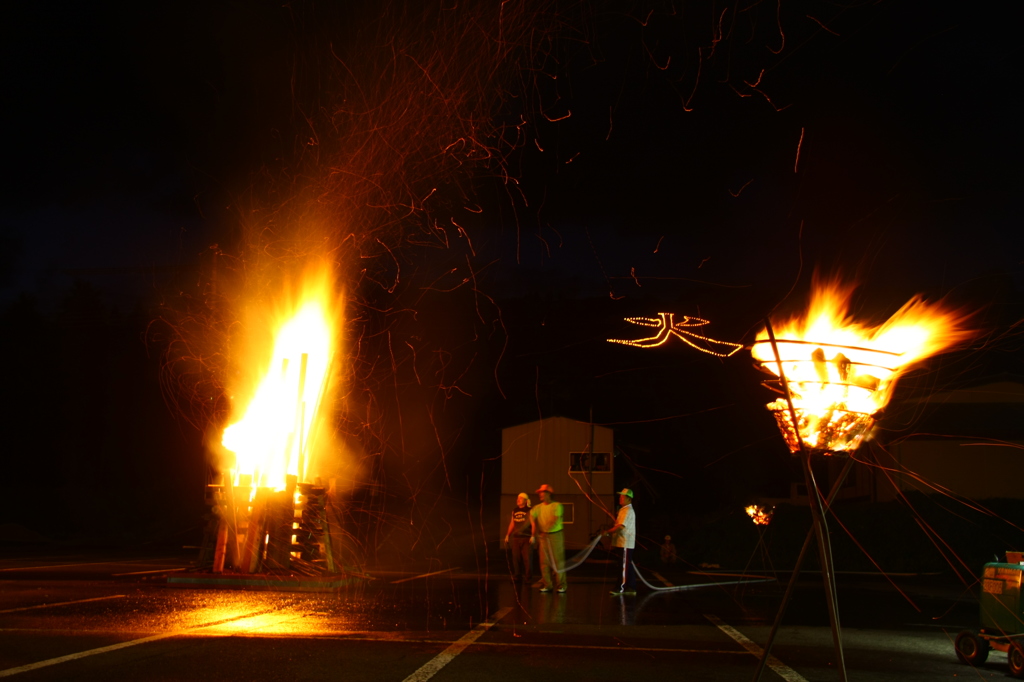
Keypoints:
pixel 252 549
pixel 332 528
pixel 220 546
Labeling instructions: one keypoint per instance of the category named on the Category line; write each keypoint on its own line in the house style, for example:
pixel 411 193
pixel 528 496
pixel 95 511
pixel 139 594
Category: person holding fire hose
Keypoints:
pixel 519 532
pixel 624 533
pixel 546 527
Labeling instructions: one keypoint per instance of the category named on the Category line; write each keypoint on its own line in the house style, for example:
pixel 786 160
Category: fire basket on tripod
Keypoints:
pixel 833 375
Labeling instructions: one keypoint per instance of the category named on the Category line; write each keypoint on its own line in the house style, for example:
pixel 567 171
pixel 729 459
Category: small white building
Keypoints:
pixel 575 458
pixel 969 442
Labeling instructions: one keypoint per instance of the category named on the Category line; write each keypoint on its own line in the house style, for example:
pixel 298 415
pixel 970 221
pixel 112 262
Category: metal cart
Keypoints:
pixel 1002 617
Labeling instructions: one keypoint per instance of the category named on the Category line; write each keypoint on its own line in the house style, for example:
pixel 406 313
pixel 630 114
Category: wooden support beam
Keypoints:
pixel 252 549
pixel 332 528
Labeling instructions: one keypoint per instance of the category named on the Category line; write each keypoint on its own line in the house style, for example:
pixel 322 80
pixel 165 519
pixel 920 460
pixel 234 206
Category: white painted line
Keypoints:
pixel 91 563
pixel 114 647
pixel 33 568
pixel 660 577
pixel 780 668
pixel 533 645
pixel 62 603
pixel 425 575
pixel 159 570
pixel 345 636
pixel 83 654
pixel 434 665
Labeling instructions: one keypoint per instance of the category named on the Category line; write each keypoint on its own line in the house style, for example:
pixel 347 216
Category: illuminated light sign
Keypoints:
pixel 667 328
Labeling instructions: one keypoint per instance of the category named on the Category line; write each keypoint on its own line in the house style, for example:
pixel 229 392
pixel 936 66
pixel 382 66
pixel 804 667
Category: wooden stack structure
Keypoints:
pixel 272 532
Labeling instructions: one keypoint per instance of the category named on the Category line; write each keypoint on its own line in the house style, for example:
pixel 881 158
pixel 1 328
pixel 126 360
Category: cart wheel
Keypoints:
pixel 1015 657
pixel 970 648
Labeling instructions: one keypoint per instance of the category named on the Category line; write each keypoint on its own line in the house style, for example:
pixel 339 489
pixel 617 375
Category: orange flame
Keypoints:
pixel 761 516
pixel 271 439
pixel 841 371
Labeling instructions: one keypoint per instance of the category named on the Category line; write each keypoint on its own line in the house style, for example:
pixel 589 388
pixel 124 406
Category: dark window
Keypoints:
pixel 590 461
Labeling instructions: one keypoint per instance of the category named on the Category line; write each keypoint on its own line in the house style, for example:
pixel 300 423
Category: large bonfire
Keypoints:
pixel 285 380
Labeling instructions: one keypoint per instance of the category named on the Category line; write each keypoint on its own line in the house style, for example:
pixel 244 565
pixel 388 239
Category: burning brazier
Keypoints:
pixel 840 372
pixel 834 375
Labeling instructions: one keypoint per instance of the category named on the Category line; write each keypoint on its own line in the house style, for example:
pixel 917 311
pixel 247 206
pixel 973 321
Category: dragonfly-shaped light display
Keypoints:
pixel 667 328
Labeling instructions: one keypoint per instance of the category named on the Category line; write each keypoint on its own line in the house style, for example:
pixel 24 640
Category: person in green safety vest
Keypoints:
pixel 546 527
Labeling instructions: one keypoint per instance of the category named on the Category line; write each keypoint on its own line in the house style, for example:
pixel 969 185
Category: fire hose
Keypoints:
pixel 690 587
pixel 577 560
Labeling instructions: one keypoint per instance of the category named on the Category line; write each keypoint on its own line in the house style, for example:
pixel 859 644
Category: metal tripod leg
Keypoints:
pixel 827 569
pixel 796 573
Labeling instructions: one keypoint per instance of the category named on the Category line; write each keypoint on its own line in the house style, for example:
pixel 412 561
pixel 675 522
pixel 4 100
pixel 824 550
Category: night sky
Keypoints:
pixel 632 157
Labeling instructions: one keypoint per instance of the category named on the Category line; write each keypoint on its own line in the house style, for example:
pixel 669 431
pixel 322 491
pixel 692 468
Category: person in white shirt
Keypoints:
pixel 624 537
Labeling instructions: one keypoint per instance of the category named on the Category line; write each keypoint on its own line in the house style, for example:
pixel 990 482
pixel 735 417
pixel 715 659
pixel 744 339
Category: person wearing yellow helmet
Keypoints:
pixel 546 524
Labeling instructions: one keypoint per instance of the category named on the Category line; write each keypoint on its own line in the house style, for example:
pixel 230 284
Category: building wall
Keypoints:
pixel 583 529
pixel 966 468
pixel 858 485
pixel 971 443
pixel 539 452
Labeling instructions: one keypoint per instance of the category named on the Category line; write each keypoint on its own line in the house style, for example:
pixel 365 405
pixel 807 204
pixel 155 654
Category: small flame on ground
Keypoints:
pixel 761 516
pixel 272 438
pixel 841 370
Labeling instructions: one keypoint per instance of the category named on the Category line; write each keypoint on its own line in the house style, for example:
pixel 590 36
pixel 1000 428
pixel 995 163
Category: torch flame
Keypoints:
pixel 271 440
pixel 841 371
pixel 761 516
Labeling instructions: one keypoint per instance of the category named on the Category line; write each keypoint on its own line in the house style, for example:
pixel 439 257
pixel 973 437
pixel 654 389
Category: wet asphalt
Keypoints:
pixel 112 615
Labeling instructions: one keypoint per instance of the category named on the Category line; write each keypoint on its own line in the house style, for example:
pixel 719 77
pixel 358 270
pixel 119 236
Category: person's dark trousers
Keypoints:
pixel 628 572
pixel 522 557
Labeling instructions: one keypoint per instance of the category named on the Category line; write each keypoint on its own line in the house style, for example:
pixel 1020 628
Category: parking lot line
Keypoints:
pixel 431 667
pixel 424 575
pixel 539 645
pixel 780 668
pixel 159 570
pixel 89 563
pixel 660 577
pixel 83 654
pixel 62 603
pixel 120 645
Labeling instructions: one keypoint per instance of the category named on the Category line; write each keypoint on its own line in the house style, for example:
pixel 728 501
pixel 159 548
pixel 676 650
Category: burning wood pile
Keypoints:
pixel 262 530
pixel 271 514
